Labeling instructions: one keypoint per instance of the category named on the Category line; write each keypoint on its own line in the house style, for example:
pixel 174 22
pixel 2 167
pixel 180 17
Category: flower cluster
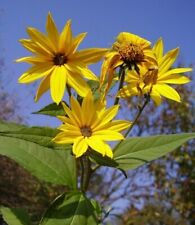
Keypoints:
pixel 140 69
pixel 145 70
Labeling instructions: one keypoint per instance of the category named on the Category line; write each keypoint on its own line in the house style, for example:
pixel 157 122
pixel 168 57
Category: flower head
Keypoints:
pixel 128 51
pixel 89 125
pixel 155 80
pixel 57 62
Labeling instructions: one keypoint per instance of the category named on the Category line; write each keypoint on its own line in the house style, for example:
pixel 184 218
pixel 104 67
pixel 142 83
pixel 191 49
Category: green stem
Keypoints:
pixel 82 173
pixel 68 90
pixel 77 175
pixel 85 173
pixel 122 78
pixel 147 99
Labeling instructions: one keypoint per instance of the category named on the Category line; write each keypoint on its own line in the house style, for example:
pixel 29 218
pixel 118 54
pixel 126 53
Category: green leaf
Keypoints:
pixel 94 85
pixel 52 110
pixel 39 135
pixel 55 166
pixel 71 209
pixel 134 152
pixel 8 127
pixel 15 216
pixel 102 160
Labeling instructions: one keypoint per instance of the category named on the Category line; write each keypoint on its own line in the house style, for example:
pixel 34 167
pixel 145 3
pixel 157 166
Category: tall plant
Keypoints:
pixel 72 153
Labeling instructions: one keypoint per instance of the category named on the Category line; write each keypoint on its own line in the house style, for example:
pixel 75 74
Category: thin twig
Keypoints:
pixel 122 78
pixel 68 90
pixel 147 99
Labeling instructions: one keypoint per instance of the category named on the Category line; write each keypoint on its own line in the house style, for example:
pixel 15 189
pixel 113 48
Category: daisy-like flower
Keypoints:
pixel 129 51
pixel 57 62
pixel 155 81
pixel 89 125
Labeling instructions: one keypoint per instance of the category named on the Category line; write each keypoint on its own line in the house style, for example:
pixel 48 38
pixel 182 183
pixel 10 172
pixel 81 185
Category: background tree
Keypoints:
pixel 173 197
pixel 18 188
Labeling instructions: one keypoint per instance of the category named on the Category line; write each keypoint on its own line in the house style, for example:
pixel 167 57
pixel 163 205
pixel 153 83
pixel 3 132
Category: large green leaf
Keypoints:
pixel 55 166
pixel 27 146
pixel 8 127
pixel 51 110
pixel 134 152
pixel 39 135
pixel 15 216
pixel 72 209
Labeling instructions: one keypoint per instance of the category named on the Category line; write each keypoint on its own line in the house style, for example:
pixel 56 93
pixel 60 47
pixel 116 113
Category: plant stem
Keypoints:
pixel 77 175
pixel 82 173
pixel 68 90
pixel 85 173
pixel 122 78
pixel 147 99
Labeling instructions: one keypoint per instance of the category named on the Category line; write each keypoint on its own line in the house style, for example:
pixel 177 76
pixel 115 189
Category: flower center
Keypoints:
pixel 131 54
pixel 86 131
pixel 60 59
pixel 151 76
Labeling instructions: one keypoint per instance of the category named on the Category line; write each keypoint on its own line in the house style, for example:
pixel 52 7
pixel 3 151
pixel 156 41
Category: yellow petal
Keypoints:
pixel 155 96
pixel 82 70
pixel 99 146
pixel 88 109
pixel 87 73
pixel 128 90
pixel 70 128
pixel 34 59
pixel 35 73
pixel 89 56
pixel 76 42
pixel 167 60
pixel 76 109
pixel 63 138
pixel 106 117
pixel 150 55
pixel 77 82
pixel 52 31
pixel 74 119
pixel 132 76
pixel 35 48
pixel 174 79
pixel 107 70
pixel 132 38
pixel 167 92
pixel 108 135
pixel 40 39
pixel 80 146
pixel 58 83
pixel 65 41
pixel 158 49
pixel 67 120
pixel 174 71
pixel 43 87
pixel 117 125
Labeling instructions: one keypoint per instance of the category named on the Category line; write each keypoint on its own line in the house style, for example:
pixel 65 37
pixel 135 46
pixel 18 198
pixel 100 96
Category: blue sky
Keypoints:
pixel 172 20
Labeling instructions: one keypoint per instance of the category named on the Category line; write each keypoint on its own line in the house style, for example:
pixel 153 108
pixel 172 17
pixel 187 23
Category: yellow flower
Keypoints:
pixel 89 125
pixel 154 81
pixel 129 51
pixel 56 60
